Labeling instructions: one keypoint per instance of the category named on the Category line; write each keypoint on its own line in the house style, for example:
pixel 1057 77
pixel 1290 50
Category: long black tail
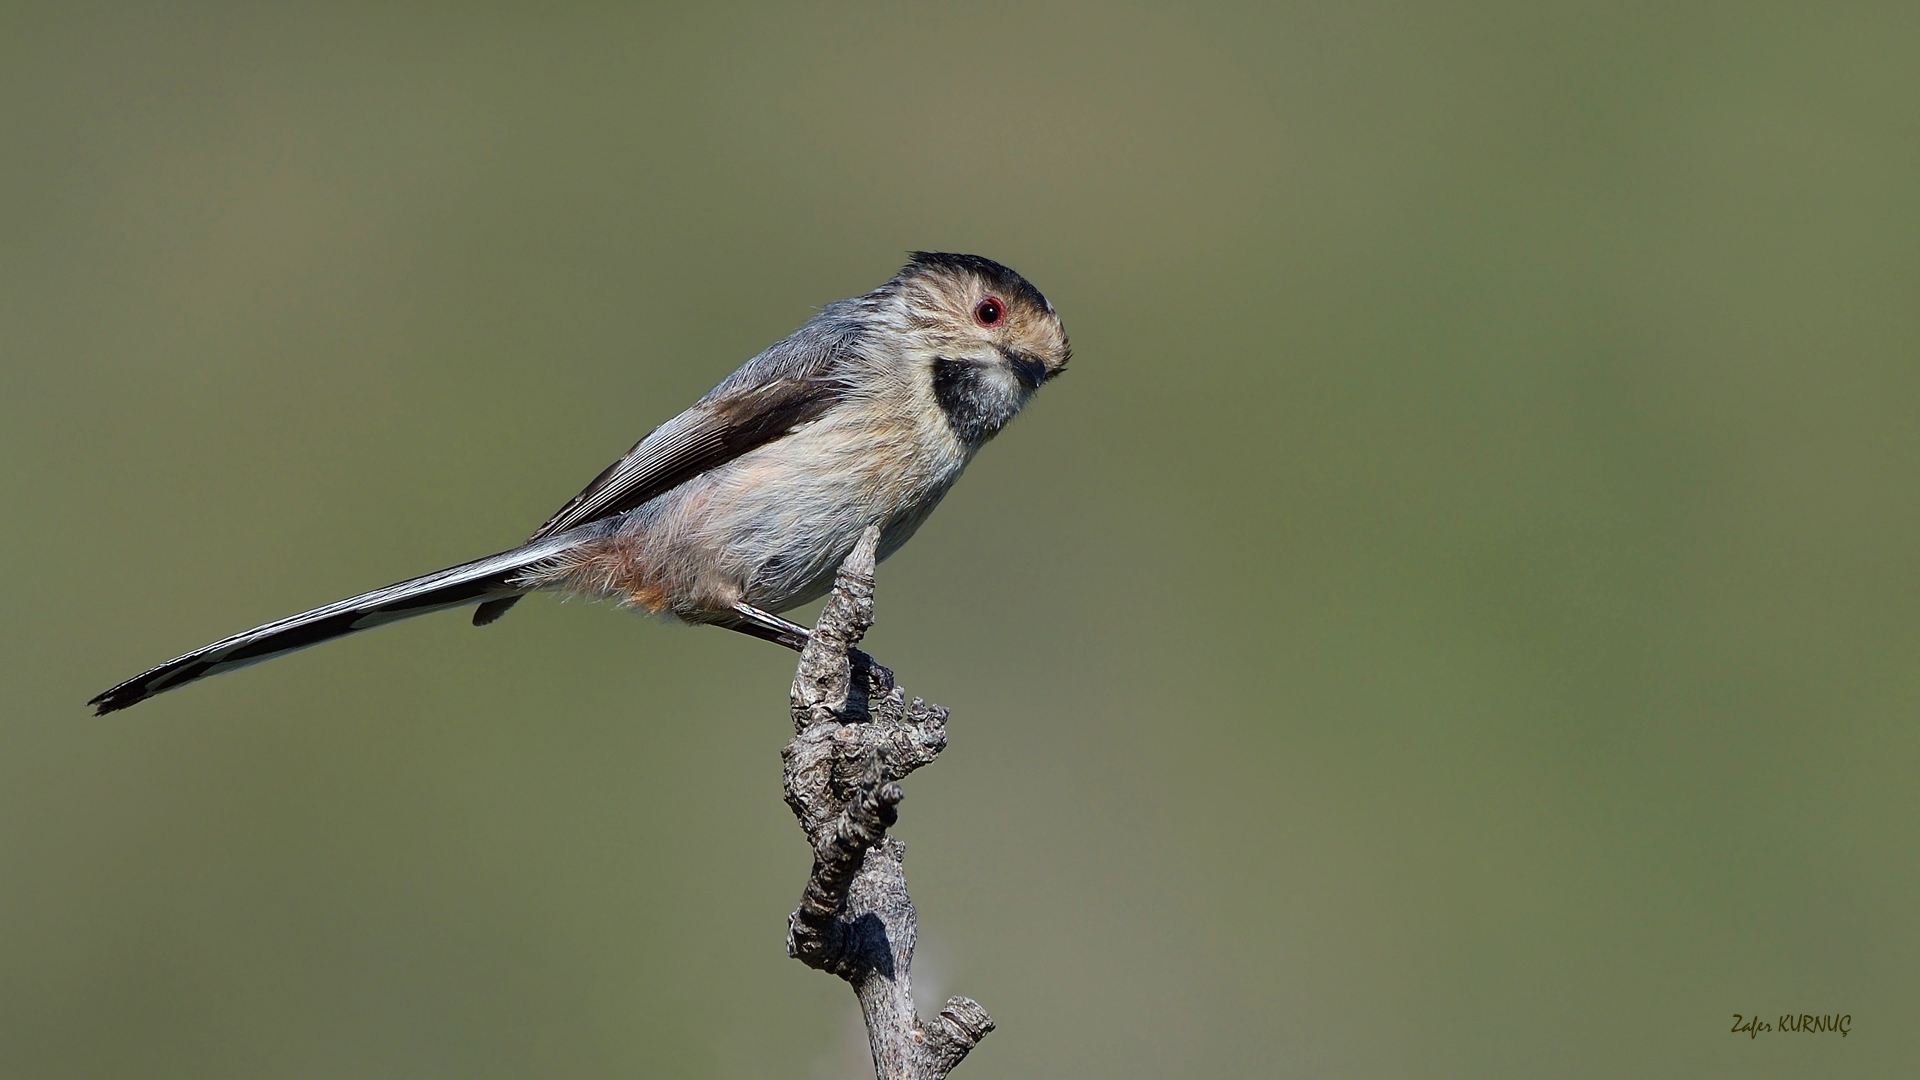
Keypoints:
pixel 481 580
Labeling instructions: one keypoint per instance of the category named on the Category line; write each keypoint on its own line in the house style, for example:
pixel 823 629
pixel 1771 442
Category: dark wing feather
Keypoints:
pixel 713 432
pixel 708 435
pixel 787 386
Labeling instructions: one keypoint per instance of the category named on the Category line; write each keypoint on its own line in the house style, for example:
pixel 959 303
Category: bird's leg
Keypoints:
pixel 769 627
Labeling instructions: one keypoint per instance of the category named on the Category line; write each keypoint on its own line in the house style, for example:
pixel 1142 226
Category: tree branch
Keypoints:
pixel 855 736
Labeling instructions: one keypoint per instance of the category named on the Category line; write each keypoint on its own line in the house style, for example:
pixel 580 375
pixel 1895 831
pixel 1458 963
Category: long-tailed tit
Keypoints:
pixel 743 506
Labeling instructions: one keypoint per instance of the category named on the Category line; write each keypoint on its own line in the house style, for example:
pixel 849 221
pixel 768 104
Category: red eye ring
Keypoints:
pixel 990 311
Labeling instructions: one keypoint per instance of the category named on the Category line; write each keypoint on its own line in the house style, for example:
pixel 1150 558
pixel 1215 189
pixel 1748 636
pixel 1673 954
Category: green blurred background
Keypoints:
pixel 1459 617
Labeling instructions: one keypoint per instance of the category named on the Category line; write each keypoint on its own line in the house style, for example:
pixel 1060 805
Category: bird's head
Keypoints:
pixel 992 338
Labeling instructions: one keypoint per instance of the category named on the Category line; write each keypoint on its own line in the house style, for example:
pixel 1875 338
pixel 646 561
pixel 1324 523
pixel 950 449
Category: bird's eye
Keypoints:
pixel 989 311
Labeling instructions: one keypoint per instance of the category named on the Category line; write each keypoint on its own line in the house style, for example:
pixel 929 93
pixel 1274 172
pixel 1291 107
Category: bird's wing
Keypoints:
pixel 722 426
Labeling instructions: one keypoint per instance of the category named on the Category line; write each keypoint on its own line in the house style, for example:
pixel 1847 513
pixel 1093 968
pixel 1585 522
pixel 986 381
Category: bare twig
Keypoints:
pixel 856 735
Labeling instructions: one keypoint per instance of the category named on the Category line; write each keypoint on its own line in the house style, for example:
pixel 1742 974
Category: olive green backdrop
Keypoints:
pixel 1460 616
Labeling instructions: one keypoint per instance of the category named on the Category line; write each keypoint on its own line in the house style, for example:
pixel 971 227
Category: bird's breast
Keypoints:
pixel 772 526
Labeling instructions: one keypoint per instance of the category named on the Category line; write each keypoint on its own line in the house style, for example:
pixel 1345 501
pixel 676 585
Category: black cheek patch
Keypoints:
pixel 961 390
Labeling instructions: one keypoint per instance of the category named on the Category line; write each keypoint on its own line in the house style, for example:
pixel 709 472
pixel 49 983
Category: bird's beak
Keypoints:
pixel 1030 370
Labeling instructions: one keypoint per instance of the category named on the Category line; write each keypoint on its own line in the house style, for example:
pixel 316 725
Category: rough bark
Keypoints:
pixel 856 735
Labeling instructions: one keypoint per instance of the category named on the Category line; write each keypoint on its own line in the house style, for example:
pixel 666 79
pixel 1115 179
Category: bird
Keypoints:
pixel 743 506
